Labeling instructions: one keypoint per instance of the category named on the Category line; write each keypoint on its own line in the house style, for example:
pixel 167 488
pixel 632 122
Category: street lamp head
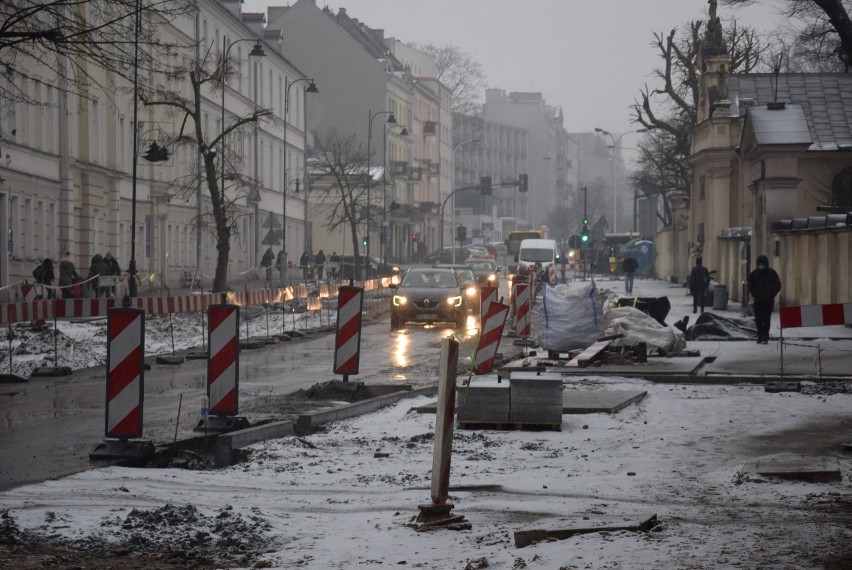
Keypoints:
pixel 403 132
pixel 600 130
pixel 312 87
pixel 391 120
pixel 258 50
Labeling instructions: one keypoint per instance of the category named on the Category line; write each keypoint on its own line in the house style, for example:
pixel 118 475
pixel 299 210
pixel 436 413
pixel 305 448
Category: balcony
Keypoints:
pixel 430 128
pixel 414 174
pixel 398 168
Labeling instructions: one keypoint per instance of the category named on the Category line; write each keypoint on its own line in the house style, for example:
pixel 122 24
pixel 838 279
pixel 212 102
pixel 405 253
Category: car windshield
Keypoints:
pixel 536 255
pixel 465 274
pixel 440 279
pixel 482 265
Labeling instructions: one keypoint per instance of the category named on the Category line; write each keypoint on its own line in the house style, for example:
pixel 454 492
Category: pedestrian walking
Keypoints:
pixel 281 265
pixel 699 282
pixel 112 272
pixel 266 263
pixel 334 266
pixel 97 267
pixel 319 262
pixel 43 275
pixel 763 285
pixel 563 266
pixel 68 277
pixel 629 267
pixel 305 264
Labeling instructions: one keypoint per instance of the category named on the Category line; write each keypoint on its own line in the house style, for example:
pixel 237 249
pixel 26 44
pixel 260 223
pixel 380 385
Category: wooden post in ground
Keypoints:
pixel 437 513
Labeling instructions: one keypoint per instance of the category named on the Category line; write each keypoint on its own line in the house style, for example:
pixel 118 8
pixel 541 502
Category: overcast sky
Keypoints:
pixel 591 57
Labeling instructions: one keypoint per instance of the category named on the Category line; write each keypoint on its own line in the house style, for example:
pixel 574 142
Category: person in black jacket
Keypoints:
pixel 629 267
pixel 699 281
pixel 763 285
pixel 319 262
pixel 44 275
pixel 266 263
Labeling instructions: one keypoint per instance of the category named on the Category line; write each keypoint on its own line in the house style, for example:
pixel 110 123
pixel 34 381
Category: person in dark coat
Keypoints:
pixel 112 269
pixel 266 263
pixel 699 281
pixel 281 264
pixel 304 263
pixel 43 274
pixel 629 267
pixel 319 262
pixel 97 268
pixel 67 275
pixel 763 285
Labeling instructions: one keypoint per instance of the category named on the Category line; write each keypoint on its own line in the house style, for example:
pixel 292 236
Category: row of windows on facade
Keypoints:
pixel 25 241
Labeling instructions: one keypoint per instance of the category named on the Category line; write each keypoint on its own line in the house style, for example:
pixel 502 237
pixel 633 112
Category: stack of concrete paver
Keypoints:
pixel 485 402
pixel 536 399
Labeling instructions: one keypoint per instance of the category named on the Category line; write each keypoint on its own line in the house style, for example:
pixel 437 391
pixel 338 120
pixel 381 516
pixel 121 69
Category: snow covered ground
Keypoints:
pixel 326 500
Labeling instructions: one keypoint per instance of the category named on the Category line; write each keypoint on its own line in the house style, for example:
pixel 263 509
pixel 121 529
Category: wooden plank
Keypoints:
pixel 527 537
pixel 589 355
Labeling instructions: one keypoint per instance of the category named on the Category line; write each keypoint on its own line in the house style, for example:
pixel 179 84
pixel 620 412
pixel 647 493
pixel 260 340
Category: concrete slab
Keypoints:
pixel 599 401
pixel 795 467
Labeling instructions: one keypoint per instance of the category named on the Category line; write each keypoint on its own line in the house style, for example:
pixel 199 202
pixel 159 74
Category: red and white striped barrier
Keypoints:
pixel 816 315
pixel 522 309
pixel 491 331
pixel 551 274
pixel 487 295
pixel 125 373
pixel 223 359
pixel 28 292
pixel 347 342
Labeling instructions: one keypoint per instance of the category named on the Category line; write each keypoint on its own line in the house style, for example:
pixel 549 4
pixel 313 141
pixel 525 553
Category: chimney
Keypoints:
pixel 254 21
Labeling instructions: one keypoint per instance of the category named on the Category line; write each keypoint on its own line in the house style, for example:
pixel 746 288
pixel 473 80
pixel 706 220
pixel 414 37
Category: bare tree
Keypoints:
pixel 341 180
pixel 211 74
pixel 669 110
pixel 460 73
pixel 74 43
pixel 826 31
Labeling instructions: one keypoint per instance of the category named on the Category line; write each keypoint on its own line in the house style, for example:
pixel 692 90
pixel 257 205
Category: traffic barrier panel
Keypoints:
pixel 223 359
pixel 347 343
pixel 125 385
pixel 551 274
pixel 488 295
pixel 522 309
pixel 491 331
pixel 816 315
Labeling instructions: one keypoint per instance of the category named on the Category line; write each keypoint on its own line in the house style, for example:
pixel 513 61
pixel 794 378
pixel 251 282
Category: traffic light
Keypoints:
pixel 365 242
pixel 413 237
pixel 485 185
pixel 585 221
pixel 523 183
pixel 584 237
pixel 461 234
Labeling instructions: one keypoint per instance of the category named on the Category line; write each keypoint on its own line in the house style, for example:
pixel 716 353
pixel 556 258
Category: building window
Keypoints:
pixel 702 183
pixel 841 190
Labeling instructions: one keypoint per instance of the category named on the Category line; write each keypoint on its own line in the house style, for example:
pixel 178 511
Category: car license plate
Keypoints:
pixel 429 316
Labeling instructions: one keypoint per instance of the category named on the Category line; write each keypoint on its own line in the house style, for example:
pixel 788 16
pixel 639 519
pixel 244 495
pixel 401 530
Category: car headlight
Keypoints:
pixel 455 301
pixel 399 300
pixel 492 278
pixel 470 291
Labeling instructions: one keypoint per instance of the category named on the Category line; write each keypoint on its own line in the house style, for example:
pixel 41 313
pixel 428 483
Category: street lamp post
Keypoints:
pixel 616 142
pixel 453 205
pixel 390 121
pixel 383 233
pixel 311 88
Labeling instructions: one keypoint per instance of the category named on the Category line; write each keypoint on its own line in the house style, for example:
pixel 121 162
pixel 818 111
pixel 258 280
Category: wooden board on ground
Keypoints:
pixel 589 355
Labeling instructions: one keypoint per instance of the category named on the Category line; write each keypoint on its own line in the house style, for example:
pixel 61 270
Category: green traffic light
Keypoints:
pixel 585 238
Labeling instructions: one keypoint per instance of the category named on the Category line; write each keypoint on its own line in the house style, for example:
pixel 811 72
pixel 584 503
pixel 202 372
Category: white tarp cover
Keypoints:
pixel 568 318
pixel 637 327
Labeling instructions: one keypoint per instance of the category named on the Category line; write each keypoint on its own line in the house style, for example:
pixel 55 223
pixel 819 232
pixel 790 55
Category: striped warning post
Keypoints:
pixel 816 315
pixel 522 309
pixel 28 292
pixel 347 343
pixel 125 373
pixel 491 331
pixel 488 295
pixel 551 274
pixel 223 329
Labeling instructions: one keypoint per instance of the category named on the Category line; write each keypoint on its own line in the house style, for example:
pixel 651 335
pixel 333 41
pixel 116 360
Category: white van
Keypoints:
pixel 532 251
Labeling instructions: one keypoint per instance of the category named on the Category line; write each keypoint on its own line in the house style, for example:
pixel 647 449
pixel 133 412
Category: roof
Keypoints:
pixel 825 99
pixel 779 124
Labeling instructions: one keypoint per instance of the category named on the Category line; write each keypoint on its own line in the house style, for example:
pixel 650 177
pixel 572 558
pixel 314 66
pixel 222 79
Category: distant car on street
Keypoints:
pixel 484 270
